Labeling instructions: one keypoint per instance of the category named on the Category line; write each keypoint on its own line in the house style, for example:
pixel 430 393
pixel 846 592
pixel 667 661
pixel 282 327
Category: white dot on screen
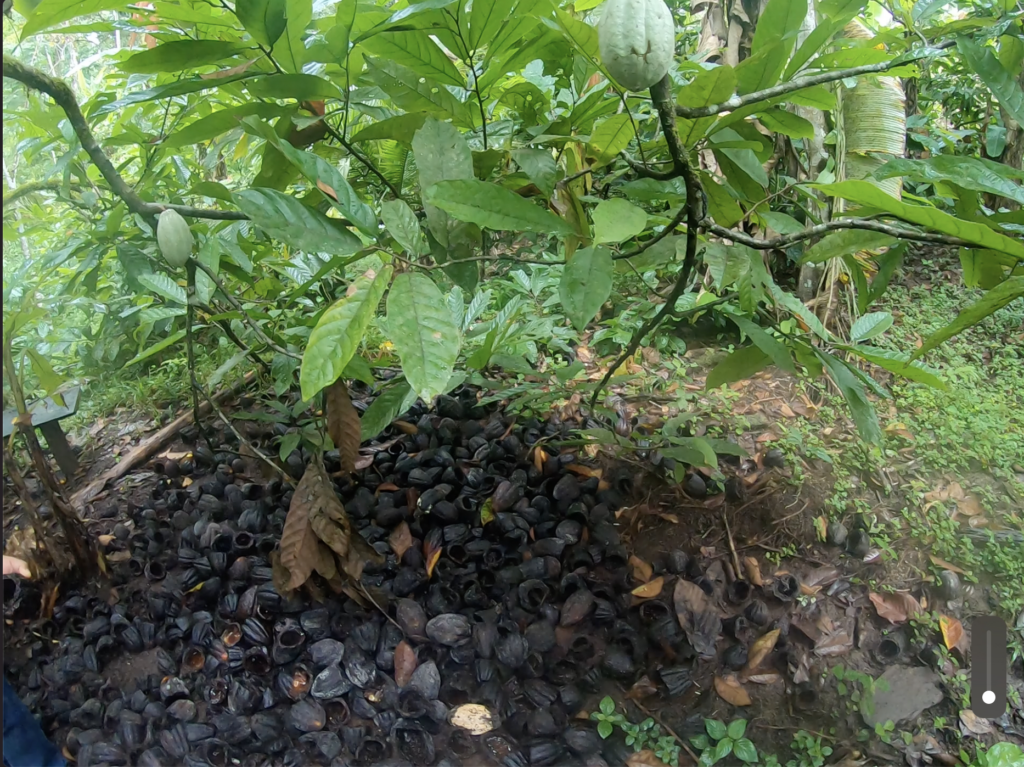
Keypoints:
pixel 988 697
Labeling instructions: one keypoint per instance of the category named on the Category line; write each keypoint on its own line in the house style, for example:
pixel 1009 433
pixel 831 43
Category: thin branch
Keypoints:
pixel 671 227
pixel 365 161
pixel 34 187
pixel 62 94
pixel 645 171
pixel 431 267
pixel 737 102
pixel 245 315
pixel 819 229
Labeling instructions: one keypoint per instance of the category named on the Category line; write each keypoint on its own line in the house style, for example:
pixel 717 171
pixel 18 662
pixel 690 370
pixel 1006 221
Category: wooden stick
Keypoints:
pixel 150 447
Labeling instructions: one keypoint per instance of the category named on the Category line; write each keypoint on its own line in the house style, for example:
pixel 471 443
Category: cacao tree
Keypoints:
pixel 353 174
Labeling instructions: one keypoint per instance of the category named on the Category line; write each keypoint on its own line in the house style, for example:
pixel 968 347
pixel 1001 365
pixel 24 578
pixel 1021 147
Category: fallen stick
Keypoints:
pixel 150 446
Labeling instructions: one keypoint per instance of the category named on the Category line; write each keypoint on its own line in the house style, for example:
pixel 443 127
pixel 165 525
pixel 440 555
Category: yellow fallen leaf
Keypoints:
pixel 760 650
pixel 731 691
pixel 952 631
pixel 651 589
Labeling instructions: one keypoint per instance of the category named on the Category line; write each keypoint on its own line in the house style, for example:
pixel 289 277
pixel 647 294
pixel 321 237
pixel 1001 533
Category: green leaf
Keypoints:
pixel 845 242
pixel 779 21
pixel 163 286
pixel 973 173
pixel 899 364
pixel 745 159
pixel 285 218
pixel 610 137
pixel 605 729
pixel 538 164
pixel 736 728
pixel 50 13
pixel 290 50
pixel 764 341
pixel 402 224
pixel 781 222
pixel 156 348
pixel 1004 86
pixel 423 332
pixel 494 207
pixel 213 189
pixel 616 221
pixel 991 302
pixel 796 307
pixel 388 406
pixel 49 378
pixel 417 51
pixel 179 55
pixel 727 263
pixel 223 370
pixel 401 128
pixel 745 751
pixel 781 121
pixel 866 193
pixel 299 87
pixel 695 451
pixel 289 442
pixel 265 20
pixel 586 284
pixel 221 121
pixel 339 332
pixel 359 369
pixel 816 97
pixel 178 88
pixel 577 32
pixel 607 706
pixel 739 365
pixel 709 87
pixel 716 729
pixel 441 154
pixel 761 70
pixel 870 326
pixel 415 93
pixel 863 412
pixel 209 255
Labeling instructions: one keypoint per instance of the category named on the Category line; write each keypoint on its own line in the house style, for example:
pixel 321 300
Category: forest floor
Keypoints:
pixel 944 496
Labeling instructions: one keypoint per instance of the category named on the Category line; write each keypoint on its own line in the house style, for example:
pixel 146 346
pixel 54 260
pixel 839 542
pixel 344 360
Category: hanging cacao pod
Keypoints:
pixel 174 238
pixel 637 41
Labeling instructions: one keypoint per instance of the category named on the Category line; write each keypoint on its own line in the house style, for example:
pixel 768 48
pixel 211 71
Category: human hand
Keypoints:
pixel 15 566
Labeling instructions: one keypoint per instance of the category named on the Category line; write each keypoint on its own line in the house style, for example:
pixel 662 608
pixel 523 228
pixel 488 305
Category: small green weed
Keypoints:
pixel 722 740
pixel 646 734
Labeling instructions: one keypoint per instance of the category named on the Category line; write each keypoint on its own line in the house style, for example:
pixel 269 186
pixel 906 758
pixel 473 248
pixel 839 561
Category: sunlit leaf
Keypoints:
pixel 586 284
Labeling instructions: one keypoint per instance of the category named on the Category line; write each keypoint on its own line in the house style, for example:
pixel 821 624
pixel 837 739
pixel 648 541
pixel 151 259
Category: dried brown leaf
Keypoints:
pixel 326 564
pixel 760 650
pixel 279 574
pixel 343 424
pixel 952 631
pixel 731 691
pixel 405 427
pixel 400 540
pixel 431 554
pixel 644 688
pixel 835 643
pixel 583 471
pixel 944 564
pixel 405 663
pixel 895 608
pixel 642 571
pixel 327 189
pixel 650 589
pixel 644 758
pixel 119 556
pixel 753 570
pixel 766 677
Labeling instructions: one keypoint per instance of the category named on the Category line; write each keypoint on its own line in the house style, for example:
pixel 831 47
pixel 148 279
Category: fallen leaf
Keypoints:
pixel 326 564
pixel 539 458
pixel 787 411
pixel 896 607
pixel 105 540
pixel 651 589
pixel 644 688
pixel 583 471
pixel 945 565
pixel 386 487
pixel 952 631
pixel 836 643
pixel 972 724
pixel 432 557
pixel 405 427
pixel 669 517
pixel 821 577
pixel 753 570
pixel 766 677
pixel 821 527
pixel 969 506
pixel 760 650
pixel 405 663
pixel 400 540
pixel 119 556
pixel 642 571
pixel 699 621
pixel 644 758
pixel 731 691
pixel 487 512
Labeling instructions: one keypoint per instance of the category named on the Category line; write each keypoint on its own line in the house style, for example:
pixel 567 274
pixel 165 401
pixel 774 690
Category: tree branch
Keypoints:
pixel 671 227
pixel 62 94
pixel 814 231
pixel 369 165
pixel 736 102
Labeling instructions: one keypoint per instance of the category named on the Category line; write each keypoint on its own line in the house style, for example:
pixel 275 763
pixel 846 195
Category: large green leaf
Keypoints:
pixel 290 50
pixel 863 412
pixel 739 365
pixel 710 86
pixel 494 207
pixel 177 88
pixel 727 263
pixel 767 343
pixel 178 55
pixel 610 137
pixel 796 308
pixel 50 13
pixel 401 128
pixel 417 51
pixel 1003 85
pixel 441 154
pixel 864 193
pixel 991 302
pixel 402 224
pixel 540 166
pixel 973 173
pixel 761 70
pixel 579 33
pixel 486 20
pixel 49 379
pixel 156 348
pixel 744 159
pixel 899 364
pixel 265 20
pixel 299 87
pixel 616 221
pixel 779 21
pixel 388 405
pixel 339 332
pixel 163 286
pixel 586 284
pixel 781 121
pixel 415 93
pixel 221 121
pixel 870 326
pixel 209 255
pixel 423 332
pixel 285 218
pixel 845 242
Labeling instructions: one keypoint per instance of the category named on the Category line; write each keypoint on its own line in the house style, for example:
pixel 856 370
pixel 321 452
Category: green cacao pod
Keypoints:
pixel 174 238
pixel 637 40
